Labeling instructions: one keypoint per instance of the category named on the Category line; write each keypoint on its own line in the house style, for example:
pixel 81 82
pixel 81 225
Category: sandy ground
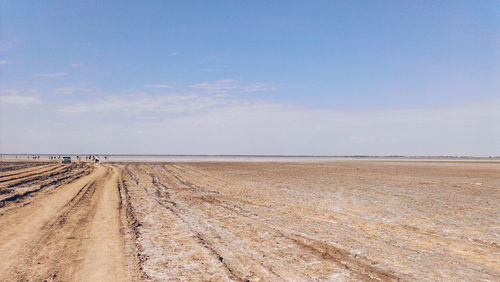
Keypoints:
pixel 341 220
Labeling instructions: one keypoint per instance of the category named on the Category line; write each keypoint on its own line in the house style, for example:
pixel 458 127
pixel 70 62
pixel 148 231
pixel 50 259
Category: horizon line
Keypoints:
pixel 256 155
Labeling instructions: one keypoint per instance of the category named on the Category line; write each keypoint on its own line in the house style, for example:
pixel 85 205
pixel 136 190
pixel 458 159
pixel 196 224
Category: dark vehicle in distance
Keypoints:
pixel 66 160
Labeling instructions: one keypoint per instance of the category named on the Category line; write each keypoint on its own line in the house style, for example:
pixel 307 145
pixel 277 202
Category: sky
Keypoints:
pixel 250 77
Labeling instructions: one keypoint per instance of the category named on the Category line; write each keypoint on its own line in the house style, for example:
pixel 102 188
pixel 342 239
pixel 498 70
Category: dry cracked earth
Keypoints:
pixel 341 220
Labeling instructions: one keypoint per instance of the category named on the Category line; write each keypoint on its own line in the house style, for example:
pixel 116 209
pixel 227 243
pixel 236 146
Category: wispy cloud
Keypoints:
pixel 221 123
pixel 67 90
pixel 206 95
pixel 144 103
pixel 54 74
pixel 3 62
pixel 11 91
pixel 18 100
pixel 76 65
pixel 158 86
pixel 232 86
pixel 17 91
pixel 19 97
pixel 225 126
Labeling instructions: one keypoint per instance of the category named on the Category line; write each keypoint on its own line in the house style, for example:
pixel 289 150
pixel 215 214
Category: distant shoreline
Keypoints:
pixel 243 158
pixel 254 156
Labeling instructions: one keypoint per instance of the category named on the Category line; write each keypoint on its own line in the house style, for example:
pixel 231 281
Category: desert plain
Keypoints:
pixel 230 220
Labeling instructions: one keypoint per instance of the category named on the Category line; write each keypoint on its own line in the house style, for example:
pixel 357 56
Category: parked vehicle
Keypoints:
pixel 66 160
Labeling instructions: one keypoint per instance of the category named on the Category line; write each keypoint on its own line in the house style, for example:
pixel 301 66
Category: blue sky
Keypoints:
pixel 142 70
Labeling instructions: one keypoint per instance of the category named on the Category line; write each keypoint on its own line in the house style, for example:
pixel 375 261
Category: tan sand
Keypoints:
pixel 337 220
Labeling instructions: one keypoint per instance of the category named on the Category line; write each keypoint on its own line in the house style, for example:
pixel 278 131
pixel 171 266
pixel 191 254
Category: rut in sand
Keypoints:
pixel 69 233
pixel 239 221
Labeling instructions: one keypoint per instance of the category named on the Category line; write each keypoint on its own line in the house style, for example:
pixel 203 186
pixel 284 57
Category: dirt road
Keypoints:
pixel 68 233
pixel 239 221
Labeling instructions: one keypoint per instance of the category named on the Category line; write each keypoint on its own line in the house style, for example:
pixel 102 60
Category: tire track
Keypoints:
pixel 358 266
pixel 162 198
pixel 169 249
pixel 348 236
pixel 23 179
pixel 7 167
pixel 47 181
pixel 30 172
pixel 249 250
pixel 48 256
pixel 26 168
pixel 131 234
pixel 71 234
pixel 27 223
pixel 185 221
